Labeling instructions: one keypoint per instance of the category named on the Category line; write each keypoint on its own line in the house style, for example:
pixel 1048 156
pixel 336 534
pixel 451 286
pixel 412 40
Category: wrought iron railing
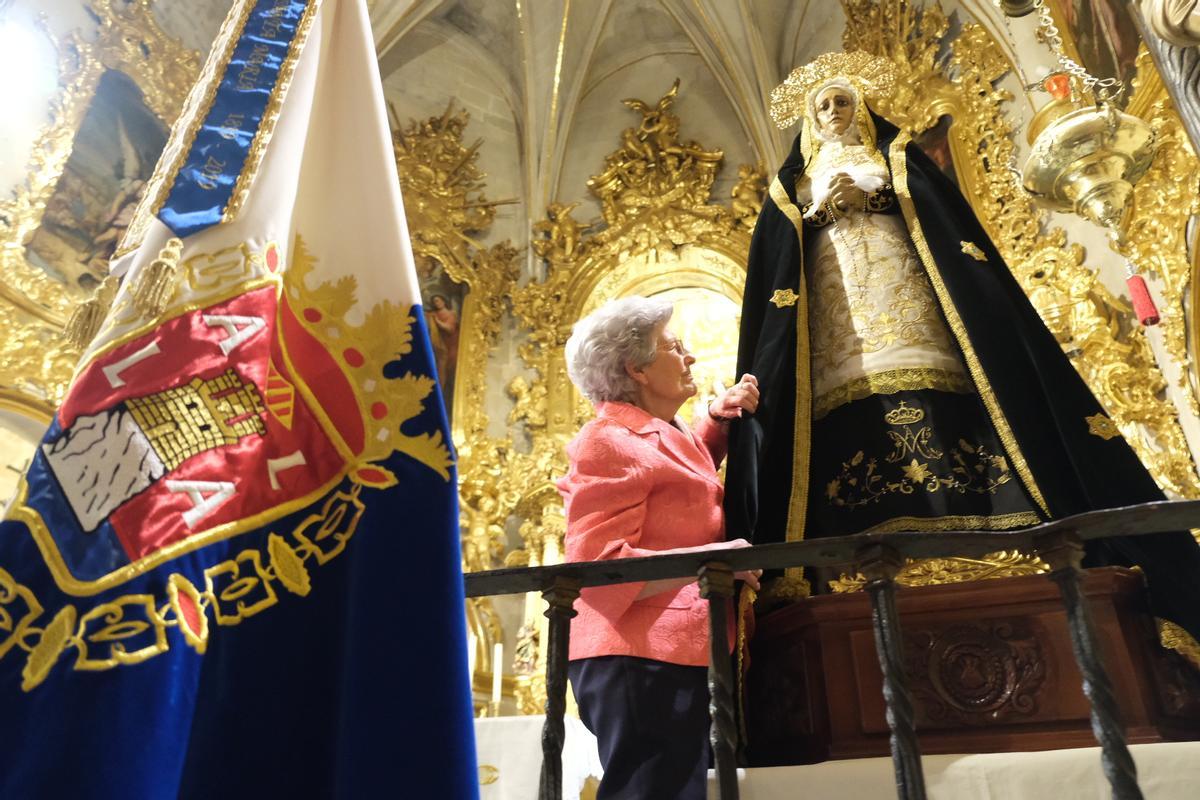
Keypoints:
pixel 878 556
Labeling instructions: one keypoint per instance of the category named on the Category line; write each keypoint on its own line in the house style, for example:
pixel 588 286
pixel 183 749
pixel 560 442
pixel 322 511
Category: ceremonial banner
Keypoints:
pixel 233 568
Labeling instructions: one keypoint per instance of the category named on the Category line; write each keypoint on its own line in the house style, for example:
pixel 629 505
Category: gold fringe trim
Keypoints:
pixel 889 382
pixel 979 522
pixel 154 286
pixel 1176 638
pixel 952 570
pixel 87 317
pixel 745 603
pixel 787 589
pixel 1015 456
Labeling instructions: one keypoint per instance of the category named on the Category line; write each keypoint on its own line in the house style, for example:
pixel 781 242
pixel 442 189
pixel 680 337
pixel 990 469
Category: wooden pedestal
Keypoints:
pixel 989 664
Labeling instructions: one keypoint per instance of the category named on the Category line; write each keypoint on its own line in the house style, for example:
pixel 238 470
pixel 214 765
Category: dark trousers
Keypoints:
pixel 651 720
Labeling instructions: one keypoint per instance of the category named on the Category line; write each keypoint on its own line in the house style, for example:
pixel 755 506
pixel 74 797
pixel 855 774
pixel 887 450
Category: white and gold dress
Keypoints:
pixel 900 438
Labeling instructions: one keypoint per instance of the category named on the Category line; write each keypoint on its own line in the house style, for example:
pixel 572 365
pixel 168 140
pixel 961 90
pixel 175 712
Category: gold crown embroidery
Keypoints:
pixel 904 415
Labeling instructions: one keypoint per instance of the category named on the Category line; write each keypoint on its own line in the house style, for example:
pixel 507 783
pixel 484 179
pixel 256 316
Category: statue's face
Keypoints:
pixel 835 110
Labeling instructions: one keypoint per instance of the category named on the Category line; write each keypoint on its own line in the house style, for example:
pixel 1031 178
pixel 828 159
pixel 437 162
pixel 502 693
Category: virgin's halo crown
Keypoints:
pixel 873 75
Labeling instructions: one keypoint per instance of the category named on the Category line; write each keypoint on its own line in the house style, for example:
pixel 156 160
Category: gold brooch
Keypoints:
pixel 1102 426
pixel 784 298
pixel 972 249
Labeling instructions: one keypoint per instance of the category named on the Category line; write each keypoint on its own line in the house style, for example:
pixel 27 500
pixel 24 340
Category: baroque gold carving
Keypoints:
pixel 33 364
pixel 129 40
pixel 1164 200
pixel 1093 326
pixel 447 210
pixel 748 194
pixel 654 195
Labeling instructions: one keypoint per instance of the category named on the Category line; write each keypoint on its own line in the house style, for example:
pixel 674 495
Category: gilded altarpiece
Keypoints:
pixel 131 59
pixel 465 285
pixel 660 232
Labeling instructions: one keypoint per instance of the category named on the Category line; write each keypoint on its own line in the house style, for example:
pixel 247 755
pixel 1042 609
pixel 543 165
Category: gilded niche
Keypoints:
pixel 119 92
pixel 464 285
pixel 464 289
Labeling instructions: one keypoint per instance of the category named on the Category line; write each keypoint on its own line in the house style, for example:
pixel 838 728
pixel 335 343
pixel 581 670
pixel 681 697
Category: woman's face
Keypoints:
pixel 439 302
pixel 835 110
pixel 668 378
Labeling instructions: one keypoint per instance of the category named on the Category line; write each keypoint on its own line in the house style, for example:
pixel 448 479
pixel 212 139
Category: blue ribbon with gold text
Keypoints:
pixel 204 184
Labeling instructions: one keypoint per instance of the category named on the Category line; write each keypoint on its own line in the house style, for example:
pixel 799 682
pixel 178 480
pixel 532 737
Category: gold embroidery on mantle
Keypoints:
pixel 793 584
pixel 782 298
pixel 958 78
pixel 972 249
pixel 890 382
pixel 1102 426
pixel 968 468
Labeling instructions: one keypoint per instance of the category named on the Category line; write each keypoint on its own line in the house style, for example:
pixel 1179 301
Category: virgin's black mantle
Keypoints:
pixel 1035 399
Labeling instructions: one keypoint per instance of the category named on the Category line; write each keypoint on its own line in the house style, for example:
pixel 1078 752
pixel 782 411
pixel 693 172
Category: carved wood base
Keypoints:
pixel 990 668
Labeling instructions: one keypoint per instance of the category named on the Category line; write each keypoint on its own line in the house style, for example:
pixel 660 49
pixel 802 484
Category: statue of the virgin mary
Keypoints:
pixel 907 383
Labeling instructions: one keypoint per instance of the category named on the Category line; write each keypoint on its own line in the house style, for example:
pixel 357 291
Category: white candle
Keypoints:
pixel 497 673
pixel 472 643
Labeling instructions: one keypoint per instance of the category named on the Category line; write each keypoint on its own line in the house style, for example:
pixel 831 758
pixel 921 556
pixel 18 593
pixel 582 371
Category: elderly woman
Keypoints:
pixel 643 483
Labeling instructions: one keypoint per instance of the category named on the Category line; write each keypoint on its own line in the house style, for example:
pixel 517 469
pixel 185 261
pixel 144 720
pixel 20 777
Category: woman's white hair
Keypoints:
pixel 603 342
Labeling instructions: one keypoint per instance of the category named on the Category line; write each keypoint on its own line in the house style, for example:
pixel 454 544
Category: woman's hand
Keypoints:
pixel 737 399
pixel 844 195
pixel 750 576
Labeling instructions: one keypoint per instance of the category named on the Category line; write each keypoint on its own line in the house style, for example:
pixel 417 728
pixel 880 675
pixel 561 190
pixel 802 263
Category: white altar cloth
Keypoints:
pixel 1167 771
pixel 510 760
pixel 509 752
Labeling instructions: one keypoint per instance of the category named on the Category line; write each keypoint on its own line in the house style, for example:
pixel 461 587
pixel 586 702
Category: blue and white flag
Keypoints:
pixel 233 567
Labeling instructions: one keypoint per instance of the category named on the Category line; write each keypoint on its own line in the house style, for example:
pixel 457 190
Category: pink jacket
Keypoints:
pixel 638 485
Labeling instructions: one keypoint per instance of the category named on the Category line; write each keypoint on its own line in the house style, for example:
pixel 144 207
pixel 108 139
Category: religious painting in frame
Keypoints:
pixel 442 300
pixel 120 86
pixel 935 143
pixel 1101 35
pixel 115 150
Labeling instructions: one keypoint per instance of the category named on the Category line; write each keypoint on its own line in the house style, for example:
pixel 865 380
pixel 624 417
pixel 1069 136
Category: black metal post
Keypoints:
pixel 1064 553
pixel 560 608
pixel 716 585
pixel 880 563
